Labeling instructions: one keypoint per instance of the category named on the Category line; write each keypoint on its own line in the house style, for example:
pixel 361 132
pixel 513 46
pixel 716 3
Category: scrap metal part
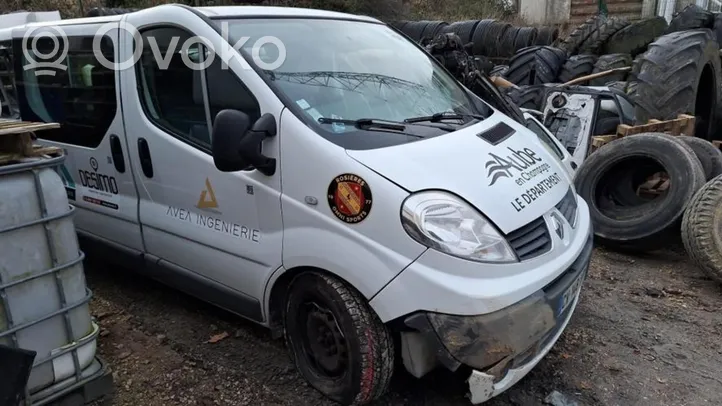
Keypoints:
pixel 572 114
pixel 497 348
pixel 471 71
pixel 570 117
pixel 482 385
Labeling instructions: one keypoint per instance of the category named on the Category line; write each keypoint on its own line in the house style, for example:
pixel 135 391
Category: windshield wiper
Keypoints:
pixel 365 123
pixel 437 117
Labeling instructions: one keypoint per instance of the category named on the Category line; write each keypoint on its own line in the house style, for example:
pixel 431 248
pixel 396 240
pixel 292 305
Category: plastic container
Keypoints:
pixel 44 300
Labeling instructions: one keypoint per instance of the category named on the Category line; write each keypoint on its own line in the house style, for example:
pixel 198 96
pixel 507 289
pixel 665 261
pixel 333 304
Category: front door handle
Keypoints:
pixel 145 162
pixel 116 151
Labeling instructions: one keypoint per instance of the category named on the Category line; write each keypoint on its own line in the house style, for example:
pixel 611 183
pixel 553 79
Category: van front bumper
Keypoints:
pixel 503 346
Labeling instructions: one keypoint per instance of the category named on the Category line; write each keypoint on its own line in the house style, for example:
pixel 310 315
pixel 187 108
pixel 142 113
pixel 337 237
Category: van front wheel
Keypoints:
pixel 337 342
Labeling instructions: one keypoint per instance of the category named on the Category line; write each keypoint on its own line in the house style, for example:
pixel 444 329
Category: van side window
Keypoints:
pixel 165 86
pixel 171 91
pixel 81 97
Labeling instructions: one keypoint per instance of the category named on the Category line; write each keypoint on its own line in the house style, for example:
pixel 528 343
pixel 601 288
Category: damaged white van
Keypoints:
pixel 354 198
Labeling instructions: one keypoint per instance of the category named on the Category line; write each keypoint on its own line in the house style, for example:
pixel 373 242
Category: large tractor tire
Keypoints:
pixel 576 67
pixel 690 18
pixel 536 65
pixel 599 38
pixel 681 74
pixel 576 38
pixel 636 37
pixel 701 233
pixel 608 62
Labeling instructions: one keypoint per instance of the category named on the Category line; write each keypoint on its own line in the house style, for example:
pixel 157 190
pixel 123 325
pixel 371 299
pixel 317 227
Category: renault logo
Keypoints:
pixel 558 225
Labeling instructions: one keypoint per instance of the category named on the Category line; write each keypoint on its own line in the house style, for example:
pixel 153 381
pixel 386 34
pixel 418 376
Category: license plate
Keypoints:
pixel 569 295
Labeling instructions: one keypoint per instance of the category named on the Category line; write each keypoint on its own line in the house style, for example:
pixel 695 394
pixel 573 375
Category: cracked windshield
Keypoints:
pixel 347 71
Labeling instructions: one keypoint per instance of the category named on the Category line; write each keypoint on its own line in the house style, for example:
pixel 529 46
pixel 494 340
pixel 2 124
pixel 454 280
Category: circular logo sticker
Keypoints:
pixel 349 197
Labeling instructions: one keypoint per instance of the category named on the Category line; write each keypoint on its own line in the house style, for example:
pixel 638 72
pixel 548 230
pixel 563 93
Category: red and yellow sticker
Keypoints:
pixel 350 199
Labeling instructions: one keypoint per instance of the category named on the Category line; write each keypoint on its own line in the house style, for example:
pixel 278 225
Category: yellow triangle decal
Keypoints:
pixel 208 197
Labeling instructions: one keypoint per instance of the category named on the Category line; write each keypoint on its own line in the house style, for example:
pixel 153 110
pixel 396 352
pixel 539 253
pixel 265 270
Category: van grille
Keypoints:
pixel 531 240
pixel 568 206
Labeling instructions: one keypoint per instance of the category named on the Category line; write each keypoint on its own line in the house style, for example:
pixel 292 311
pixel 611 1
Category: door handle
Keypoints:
pixel 145 162
pixel 116 151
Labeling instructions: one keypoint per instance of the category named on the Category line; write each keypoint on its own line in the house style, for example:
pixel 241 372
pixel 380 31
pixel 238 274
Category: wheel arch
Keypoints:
pixel 277 289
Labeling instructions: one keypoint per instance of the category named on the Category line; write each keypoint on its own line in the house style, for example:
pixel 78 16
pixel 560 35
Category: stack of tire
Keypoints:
pixel 609 179
pixel 493 39
pixel 675 67
pixel 601 43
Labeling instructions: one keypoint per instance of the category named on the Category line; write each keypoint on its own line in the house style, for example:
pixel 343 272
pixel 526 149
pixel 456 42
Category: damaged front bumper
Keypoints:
pixel 503 346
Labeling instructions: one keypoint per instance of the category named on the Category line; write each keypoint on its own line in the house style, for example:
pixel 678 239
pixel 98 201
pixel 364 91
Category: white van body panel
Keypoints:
pixel 440 283
pixel 110 215
pixel 230 237
pixel 25 17
pixel 367 254
pixel 245 248
pixel 504 195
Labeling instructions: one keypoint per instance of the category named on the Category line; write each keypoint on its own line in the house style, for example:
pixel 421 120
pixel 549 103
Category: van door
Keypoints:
pixel 220 233
pixel 79 92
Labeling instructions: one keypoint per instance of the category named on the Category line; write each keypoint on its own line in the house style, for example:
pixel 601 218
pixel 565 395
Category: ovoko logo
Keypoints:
pixel 502 167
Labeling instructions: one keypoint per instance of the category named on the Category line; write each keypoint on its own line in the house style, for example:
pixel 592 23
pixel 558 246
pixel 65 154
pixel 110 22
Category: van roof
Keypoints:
pixel 226 12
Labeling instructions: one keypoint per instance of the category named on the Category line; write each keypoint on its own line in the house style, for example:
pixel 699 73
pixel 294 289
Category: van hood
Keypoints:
pixel 497 165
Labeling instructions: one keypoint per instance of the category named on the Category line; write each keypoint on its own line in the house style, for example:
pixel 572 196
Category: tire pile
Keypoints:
pixel 490 38
pixel 675 66
pixel 609 181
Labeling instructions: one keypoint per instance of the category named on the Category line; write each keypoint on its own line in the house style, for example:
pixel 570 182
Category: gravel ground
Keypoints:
pixel 646 332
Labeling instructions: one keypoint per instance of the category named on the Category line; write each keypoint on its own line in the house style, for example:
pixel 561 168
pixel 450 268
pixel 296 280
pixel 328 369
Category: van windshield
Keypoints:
pixel 349 70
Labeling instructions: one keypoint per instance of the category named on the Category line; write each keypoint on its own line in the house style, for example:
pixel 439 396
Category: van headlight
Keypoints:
pixel 444 222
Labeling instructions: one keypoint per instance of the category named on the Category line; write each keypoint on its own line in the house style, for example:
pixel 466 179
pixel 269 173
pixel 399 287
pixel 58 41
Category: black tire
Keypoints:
pixel 599 38
pixel 606 126
pixel 549 62
pixel 611 61
pixel 399 25
pixel 432 28
pixel 636 37
pixel 478 38
pixel 528 97
pixel 414 29
pixel 701 234
pixel 527 37
pixel 681 74
pixel 580 34
pixel 521 66
pixel 577 66
pixel 709 156
pixel 546 36
pixel 508 39
pixel 536 65
pixel 638 227
pixel 493 37
pixel 499 70
pixel 464 29
pixel 690 18
pixel 347 324
pixel 717 27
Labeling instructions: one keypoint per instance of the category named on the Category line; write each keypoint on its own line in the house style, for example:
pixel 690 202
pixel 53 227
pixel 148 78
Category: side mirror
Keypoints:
pixel 236 147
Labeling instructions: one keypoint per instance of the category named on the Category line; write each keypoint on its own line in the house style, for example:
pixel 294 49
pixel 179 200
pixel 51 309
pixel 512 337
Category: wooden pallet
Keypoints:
pixel 17 141
pixel 682 125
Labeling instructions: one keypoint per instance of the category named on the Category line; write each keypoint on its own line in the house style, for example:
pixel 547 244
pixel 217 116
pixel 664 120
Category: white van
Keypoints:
pixel 321 198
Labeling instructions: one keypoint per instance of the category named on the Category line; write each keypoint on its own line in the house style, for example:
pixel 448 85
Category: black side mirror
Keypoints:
pixel 236 147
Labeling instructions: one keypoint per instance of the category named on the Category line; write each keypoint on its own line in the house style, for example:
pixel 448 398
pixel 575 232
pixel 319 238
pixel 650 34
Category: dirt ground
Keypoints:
pixel 647 332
